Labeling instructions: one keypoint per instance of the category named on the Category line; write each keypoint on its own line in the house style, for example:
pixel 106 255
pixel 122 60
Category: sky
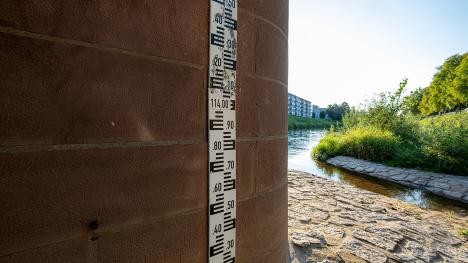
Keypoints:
pixel 349 50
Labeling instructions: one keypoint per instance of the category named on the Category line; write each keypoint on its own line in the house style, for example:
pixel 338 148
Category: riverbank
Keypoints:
pixel 298 123
pixel 436 144
pixel 334 222
pixel 301 141
pixel 449 186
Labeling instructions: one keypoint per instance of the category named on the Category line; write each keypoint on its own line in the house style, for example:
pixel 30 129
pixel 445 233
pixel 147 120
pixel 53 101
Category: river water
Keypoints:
pixel 300 144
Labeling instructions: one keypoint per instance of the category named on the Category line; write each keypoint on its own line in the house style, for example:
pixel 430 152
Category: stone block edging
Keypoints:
pixel 446 185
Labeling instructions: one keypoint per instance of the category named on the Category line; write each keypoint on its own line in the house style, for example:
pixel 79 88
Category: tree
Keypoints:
pixel 322 115
pixel 412 101
pixel 336 112
pixel 448 90
pixel 384 111
pixel 459 87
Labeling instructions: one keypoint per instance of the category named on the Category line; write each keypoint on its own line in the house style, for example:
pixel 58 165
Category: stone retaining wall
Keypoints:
pixel 446 185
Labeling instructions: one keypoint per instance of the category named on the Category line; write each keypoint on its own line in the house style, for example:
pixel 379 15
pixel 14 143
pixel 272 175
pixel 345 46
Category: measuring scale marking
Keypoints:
pixel 222 131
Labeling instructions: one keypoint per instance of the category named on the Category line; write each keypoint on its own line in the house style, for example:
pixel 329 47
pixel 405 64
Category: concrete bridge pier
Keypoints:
pixel 103 135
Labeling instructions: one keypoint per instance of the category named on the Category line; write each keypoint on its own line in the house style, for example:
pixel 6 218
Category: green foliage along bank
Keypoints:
pixel 337 111
pixel 384 132
pixel 295 123
pixel 447 92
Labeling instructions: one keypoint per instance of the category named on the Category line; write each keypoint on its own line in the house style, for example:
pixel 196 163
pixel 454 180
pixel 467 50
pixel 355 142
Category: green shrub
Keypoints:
pixel 437 144
pixel 328 147
pixel 384 133
pixel 295 123
pixel 354 118
pixel 444 140
pixel 410 156
pixel 367 143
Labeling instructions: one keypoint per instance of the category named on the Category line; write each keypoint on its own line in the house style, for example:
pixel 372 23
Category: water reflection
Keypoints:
pixel 300 143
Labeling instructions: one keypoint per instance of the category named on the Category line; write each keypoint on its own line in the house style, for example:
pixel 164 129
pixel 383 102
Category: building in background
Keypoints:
pixel 316 110
pixel 298 106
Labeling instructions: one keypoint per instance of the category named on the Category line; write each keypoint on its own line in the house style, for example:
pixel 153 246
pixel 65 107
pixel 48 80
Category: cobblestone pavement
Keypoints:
pixel 333 222
pixel 450 186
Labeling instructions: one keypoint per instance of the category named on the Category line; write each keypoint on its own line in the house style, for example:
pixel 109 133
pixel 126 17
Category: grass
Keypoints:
pixel 463 232
pixel 438 144
pixel 450 214
pixel 363 143
pixel 296 123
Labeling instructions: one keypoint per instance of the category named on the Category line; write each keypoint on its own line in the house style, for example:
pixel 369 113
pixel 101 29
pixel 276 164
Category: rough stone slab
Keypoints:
pixel 385 230
pixel 310 239
pixel 378 241
pixel 446 185
pixel 362 251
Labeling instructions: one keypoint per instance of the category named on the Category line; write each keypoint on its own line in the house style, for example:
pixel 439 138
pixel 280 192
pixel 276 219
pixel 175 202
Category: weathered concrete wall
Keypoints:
pixel 103 118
